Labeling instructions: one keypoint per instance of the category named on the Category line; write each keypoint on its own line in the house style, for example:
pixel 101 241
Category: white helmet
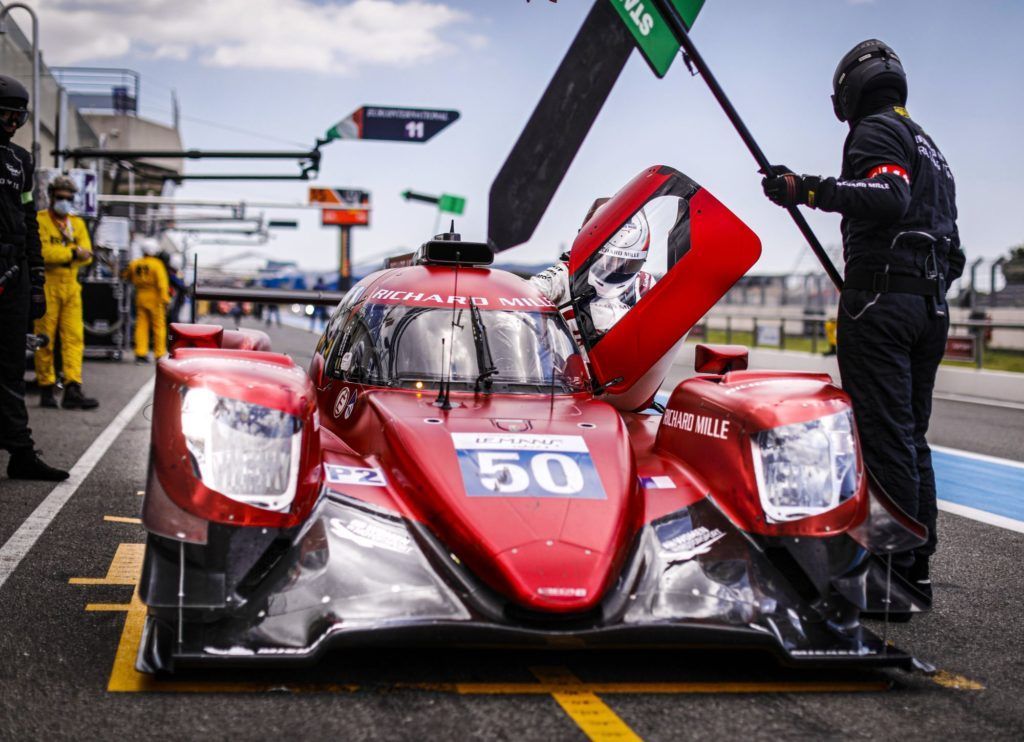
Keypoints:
pixel 149 246
pixel 621 258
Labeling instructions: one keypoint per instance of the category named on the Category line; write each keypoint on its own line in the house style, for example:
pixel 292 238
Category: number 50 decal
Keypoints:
pixel 512 466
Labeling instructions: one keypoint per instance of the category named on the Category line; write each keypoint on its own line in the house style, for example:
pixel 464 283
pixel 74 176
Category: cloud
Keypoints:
pixel 326 36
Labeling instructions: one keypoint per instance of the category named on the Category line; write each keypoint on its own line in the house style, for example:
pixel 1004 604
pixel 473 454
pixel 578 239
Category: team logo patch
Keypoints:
pixel 341 401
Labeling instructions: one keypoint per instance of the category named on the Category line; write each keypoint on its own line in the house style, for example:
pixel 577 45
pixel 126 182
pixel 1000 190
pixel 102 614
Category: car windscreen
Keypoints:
pixel 487 350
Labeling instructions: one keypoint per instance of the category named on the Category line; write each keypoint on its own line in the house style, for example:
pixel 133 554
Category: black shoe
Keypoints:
pixel 26 464
pixel 918 576
pixel 141 360
pixel 46 398
pixel 75 400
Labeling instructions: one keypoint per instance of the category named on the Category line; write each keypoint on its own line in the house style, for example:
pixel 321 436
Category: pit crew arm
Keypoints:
pixel 878 155
pixel 161 283
pixel 957 258
pixel 54 253
pixel 83 240
pixel 33 253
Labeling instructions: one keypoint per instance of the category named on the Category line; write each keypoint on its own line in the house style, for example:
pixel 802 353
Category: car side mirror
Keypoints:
pixel 720 359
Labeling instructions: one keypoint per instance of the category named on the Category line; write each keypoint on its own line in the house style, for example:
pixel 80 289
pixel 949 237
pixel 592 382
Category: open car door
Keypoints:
pixel 644 269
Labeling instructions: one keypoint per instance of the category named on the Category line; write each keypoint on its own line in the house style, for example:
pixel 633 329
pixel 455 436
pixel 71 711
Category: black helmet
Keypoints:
pixel 13 97
pixel 869 65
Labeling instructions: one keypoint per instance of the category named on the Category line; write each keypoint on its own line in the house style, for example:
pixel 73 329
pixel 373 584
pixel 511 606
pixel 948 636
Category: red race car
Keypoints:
pixel 454 468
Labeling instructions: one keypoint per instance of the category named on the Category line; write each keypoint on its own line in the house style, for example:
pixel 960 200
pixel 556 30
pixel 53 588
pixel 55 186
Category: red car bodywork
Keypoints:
pixel 550 555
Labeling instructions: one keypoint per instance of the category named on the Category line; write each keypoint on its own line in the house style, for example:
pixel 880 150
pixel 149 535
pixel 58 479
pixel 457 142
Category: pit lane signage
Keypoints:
pixel 393 124
pixel 353 206
pixel 651 32
pixel 960 348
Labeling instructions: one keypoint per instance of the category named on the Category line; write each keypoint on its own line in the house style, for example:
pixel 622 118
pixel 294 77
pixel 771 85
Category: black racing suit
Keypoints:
pixel 19 246
pixel 902 249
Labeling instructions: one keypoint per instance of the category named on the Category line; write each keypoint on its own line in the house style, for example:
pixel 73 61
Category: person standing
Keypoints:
pixel 319 316
pixel 897 197
pixel 22 296
pixel 152 294
pixel 66 249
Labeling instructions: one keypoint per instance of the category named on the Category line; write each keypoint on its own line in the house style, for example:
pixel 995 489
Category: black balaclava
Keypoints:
pixel 875 100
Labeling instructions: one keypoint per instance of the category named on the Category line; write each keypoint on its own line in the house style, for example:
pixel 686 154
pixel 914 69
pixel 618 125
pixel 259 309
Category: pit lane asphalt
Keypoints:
pixel 56 658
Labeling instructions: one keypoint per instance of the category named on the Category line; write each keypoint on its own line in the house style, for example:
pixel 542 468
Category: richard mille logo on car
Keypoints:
pixel 706 425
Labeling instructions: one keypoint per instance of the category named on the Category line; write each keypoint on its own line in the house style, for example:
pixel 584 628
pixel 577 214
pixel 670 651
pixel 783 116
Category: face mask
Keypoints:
pixel 62 207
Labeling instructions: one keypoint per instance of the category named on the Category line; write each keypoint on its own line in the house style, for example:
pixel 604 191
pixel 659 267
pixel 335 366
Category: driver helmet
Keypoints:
pixel 150 246
pixel 621 258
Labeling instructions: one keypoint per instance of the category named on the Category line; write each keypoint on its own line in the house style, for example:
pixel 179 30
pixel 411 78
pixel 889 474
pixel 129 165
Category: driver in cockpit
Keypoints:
pixel 615 275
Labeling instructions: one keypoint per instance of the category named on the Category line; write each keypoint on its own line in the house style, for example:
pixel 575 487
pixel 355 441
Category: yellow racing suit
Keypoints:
pixel 59 238
pixel 152 295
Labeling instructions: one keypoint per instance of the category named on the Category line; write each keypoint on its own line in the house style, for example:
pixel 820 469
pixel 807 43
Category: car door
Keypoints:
pixel 644 269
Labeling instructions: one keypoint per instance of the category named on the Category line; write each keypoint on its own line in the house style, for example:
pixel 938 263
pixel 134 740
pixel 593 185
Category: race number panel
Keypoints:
pixel 527 465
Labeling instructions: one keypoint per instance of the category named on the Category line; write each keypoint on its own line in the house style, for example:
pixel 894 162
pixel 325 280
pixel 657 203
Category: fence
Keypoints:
pixel 808 332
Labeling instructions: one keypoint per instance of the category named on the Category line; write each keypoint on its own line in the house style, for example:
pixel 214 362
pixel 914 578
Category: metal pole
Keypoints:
pixel 992 299
pixel 675 22
pixel 62 125
pixel 345 259
pixel 35 70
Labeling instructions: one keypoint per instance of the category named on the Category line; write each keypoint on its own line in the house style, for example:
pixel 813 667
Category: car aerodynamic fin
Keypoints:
pixel 523 188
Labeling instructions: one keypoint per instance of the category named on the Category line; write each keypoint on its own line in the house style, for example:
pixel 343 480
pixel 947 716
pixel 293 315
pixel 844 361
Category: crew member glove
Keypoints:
pixel 784 187
pixel 37 296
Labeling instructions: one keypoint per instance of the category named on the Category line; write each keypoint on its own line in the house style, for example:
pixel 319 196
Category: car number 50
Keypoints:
pixel 501 471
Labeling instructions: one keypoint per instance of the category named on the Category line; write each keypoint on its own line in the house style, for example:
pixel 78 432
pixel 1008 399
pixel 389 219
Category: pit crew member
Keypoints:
pixel 66 248
pixel 897 197
pixel 22 296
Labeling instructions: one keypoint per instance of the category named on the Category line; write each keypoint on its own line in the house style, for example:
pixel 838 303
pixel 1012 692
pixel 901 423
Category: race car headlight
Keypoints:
pixel 244 451
pixel 806 468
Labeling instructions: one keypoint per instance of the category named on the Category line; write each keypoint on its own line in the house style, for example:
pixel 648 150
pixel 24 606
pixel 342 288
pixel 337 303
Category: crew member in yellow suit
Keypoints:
pixel 66 247
pixel 152 295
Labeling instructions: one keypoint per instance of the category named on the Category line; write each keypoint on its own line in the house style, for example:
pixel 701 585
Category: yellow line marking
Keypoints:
pixel 124 570
pixel 107 607
pixel 121 519
pixel 956 682
pixel 590 713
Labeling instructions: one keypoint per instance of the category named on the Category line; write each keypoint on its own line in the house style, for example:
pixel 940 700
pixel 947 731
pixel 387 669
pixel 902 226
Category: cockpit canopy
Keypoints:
pixel 490 350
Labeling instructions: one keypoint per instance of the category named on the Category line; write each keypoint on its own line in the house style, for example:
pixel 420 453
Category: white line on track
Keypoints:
pixel 981 516
pixel 968 399
pixel 979 456
pixel 28 533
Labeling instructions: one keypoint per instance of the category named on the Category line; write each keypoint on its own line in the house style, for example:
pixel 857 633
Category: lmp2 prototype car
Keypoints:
pixel 455 469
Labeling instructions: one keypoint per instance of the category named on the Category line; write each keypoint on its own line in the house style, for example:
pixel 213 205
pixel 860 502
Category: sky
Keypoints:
pixel 283 71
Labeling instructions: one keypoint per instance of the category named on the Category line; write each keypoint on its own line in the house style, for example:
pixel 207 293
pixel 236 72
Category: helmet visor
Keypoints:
pixel 616 269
